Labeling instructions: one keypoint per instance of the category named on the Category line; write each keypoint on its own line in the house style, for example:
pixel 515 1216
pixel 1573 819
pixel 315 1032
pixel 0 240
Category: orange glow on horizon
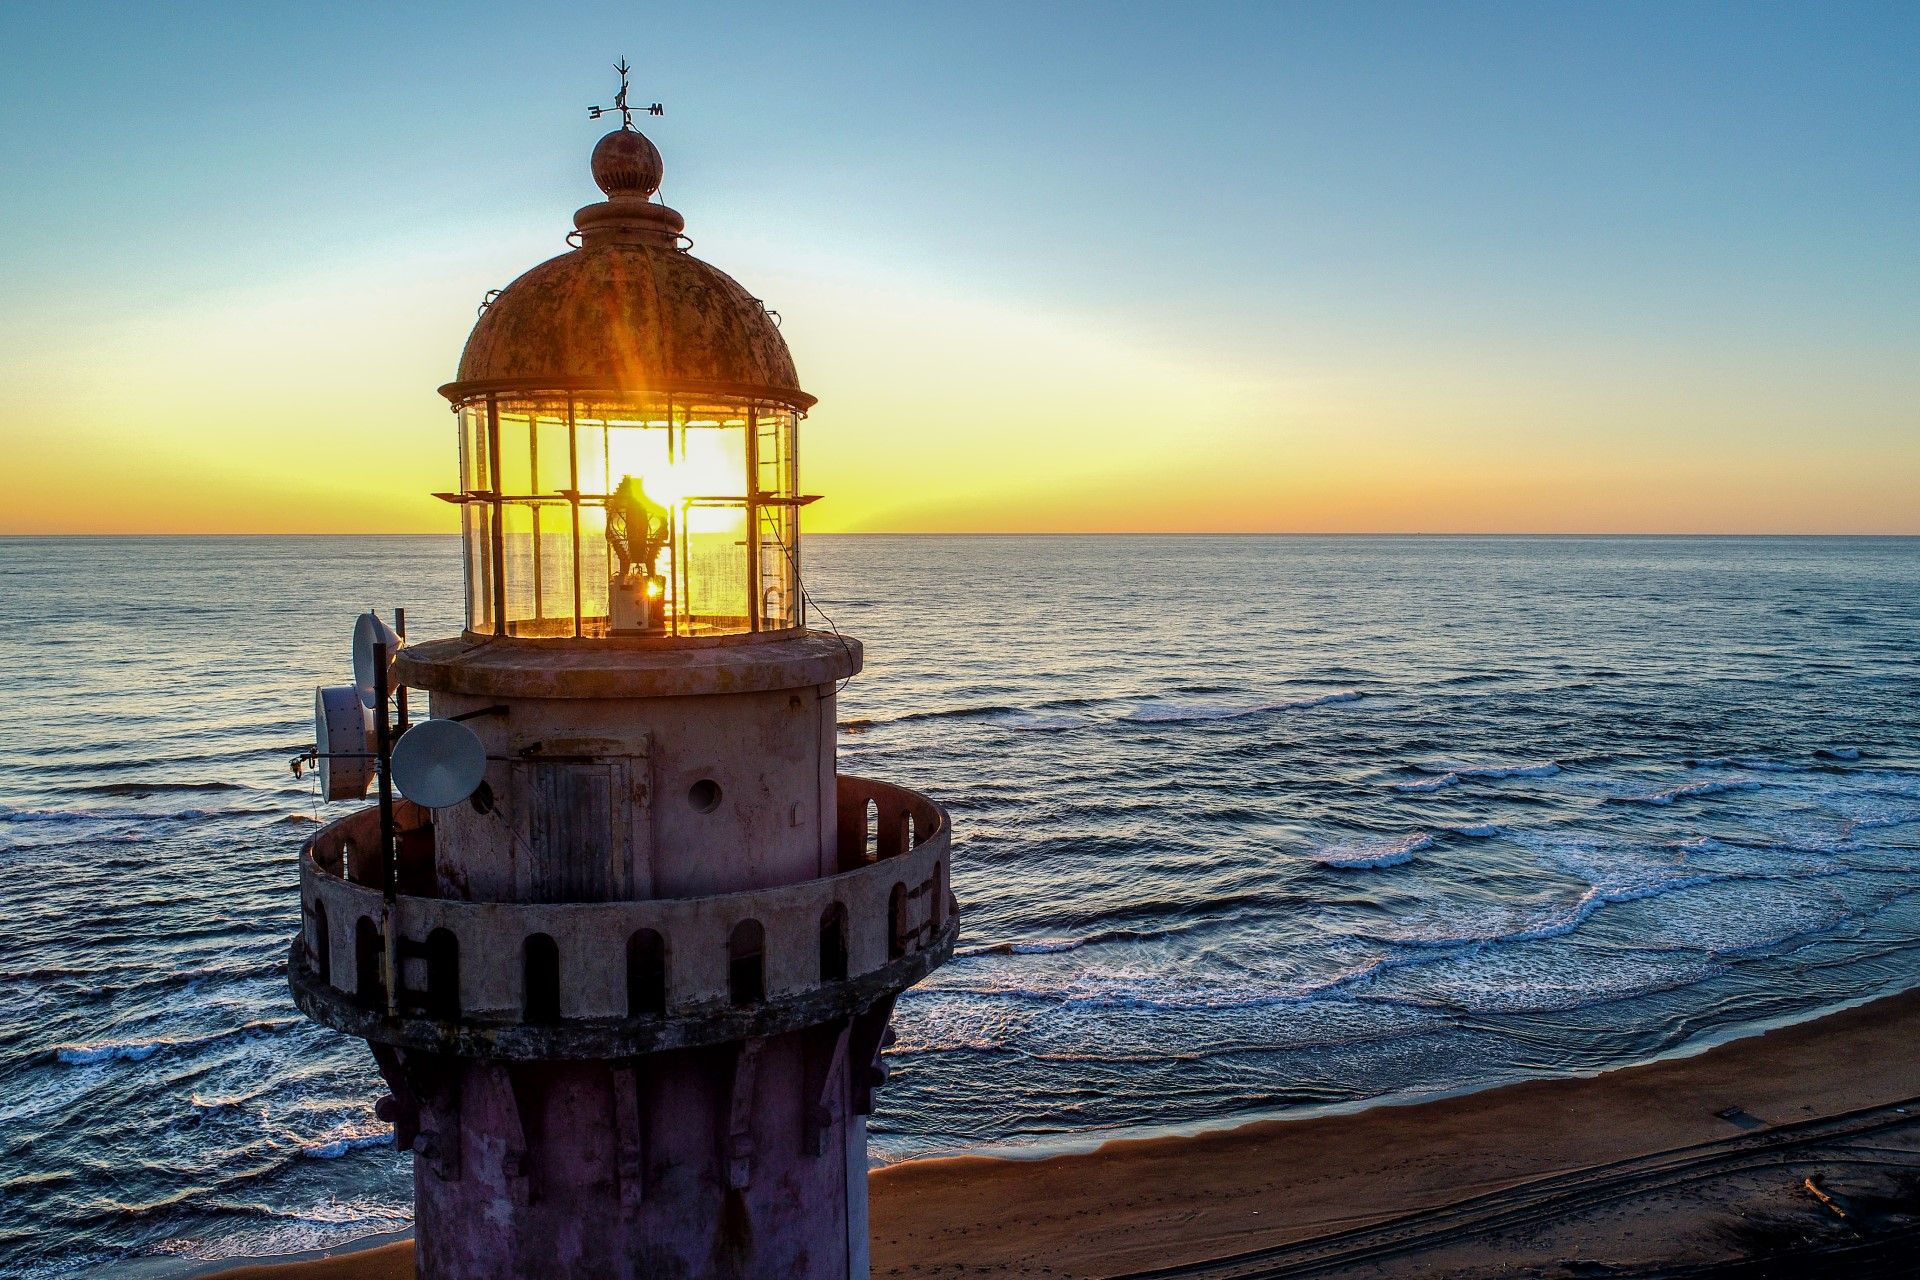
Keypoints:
pixel 296 411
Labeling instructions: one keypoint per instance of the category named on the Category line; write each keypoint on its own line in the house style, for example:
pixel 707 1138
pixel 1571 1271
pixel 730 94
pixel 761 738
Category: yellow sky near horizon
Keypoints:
pixel 307 405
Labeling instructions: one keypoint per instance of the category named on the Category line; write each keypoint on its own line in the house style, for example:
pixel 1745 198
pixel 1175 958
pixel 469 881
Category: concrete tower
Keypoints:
pixel 629 996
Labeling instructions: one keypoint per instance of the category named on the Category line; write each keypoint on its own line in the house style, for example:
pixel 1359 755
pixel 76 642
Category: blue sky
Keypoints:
pixel 1605 235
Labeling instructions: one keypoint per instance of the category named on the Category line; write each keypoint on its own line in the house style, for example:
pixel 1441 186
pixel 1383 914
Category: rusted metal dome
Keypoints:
pixel 628 311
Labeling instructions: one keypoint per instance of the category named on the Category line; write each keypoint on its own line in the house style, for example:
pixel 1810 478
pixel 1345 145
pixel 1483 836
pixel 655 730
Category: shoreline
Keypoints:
pixel 1077 1145
pixel 1123 1202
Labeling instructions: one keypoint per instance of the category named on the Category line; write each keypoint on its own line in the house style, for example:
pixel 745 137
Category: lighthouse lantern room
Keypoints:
pixel 628 413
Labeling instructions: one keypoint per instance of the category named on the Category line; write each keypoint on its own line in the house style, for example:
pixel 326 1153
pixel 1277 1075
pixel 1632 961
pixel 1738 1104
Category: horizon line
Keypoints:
pixel 1050 533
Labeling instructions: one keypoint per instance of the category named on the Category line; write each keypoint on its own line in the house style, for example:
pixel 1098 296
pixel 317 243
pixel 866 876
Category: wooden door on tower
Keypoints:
pixel 577 829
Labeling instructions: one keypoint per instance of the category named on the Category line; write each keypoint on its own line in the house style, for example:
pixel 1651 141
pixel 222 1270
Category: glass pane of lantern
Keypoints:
pixel 790 434
pixel 777 558
pixel 710 455
pixel 537 546
pixel 773 451
pixel 595 572
pixel 715 575
pixel 519 566
pixel 477 537
pixel 592 451
pixel 474 471
pixel 553 533
pixel 552 452
pixel 516 452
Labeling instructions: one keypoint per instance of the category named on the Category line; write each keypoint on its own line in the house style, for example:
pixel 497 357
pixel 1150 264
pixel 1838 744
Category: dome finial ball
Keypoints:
pixel 626 163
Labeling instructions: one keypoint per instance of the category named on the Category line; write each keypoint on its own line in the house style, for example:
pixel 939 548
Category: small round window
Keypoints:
pixel 704 795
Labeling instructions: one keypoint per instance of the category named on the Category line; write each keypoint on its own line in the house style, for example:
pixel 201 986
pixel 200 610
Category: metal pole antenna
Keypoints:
pixel 383 763
pixel 400 694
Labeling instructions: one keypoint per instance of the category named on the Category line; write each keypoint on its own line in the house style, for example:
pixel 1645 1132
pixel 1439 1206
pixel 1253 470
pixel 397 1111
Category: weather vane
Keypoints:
pixel 620 102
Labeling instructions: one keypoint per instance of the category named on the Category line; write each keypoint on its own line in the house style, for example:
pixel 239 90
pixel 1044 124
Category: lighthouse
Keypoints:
pixel 625 969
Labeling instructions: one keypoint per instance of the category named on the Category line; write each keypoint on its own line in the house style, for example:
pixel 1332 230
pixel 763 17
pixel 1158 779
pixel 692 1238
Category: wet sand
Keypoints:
pixel 1143 1203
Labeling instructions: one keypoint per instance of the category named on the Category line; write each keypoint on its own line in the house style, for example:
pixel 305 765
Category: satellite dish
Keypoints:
pixel 370 630
pixel 438 763
pixel 343 739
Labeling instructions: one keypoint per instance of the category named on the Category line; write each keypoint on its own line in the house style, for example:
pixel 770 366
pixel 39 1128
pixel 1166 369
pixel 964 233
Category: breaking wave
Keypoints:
pixel 1688 791
pixel 338 1147
pixel 83 1055
pixel 1453 776
pixel 1362 854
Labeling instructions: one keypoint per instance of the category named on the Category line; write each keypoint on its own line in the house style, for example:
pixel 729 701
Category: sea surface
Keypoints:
pixel 1245 826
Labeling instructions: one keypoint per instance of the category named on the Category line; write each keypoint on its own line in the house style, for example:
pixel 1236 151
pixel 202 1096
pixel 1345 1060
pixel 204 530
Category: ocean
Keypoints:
pixel 1245 826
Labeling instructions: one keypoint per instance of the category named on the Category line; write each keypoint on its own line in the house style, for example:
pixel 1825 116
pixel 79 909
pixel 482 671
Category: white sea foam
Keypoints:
pixel 1177 712
pixel 1326 699
pixel 83 1055
pixel 1690 790
pixel 1283 973
pixel 1383 852
pixel 201 1103
pixel 1746 916
pixel 325 1225
pixel 337 1147
pixel 1539 979
pixel 1141 993
pixel 80 1055
pixel 943 1021
pixel 1538 769
pixel 1537 921
pixel 1158 1032
pixel 1085 1013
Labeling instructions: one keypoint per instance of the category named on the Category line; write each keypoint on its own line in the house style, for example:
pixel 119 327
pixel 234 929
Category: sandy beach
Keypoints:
pixel 1138 1204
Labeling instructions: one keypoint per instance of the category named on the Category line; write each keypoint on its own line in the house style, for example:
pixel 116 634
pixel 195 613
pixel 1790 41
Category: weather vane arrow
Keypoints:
pixel 620 102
